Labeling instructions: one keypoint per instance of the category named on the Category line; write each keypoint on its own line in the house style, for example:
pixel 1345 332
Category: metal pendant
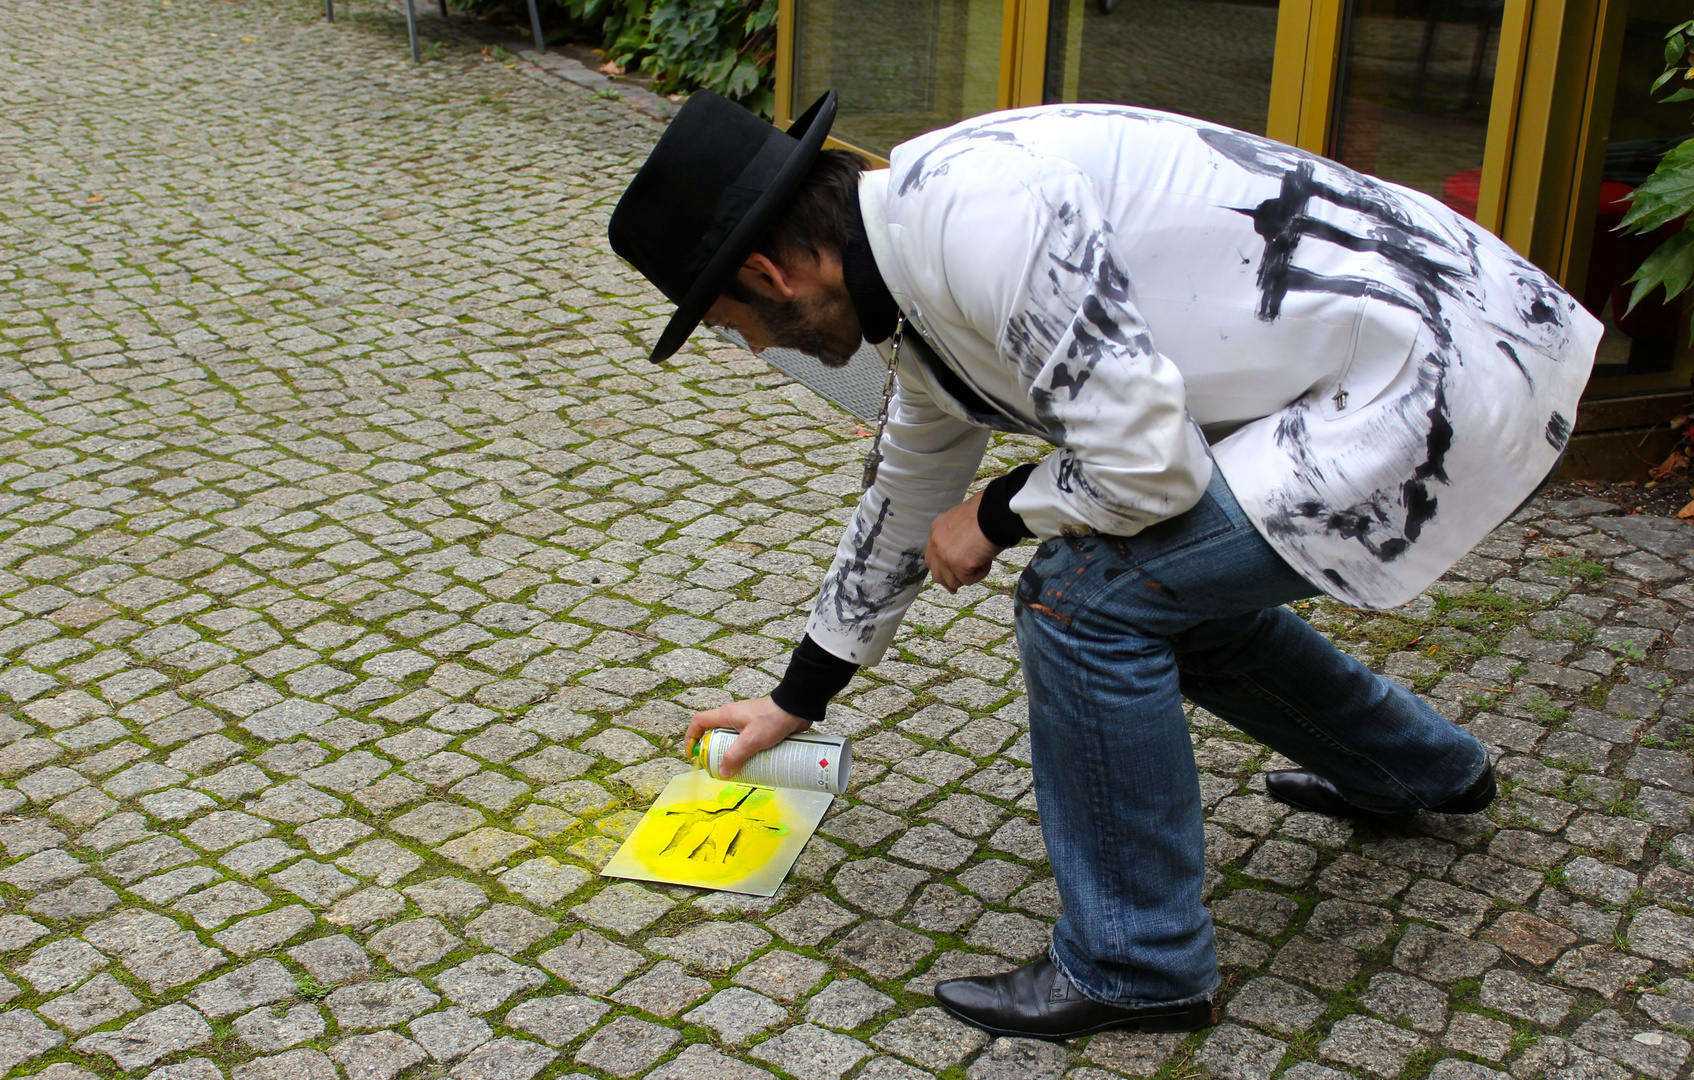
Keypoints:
pixel 874 458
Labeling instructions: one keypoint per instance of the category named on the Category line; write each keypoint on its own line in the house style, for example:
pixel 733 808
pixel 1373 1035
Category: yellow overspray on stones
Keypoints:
pixel 716 841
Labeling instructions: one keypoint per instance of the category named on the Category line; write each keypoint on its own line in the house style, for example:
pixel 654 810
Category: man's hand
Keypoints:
pixel 760 724
pixel 958 553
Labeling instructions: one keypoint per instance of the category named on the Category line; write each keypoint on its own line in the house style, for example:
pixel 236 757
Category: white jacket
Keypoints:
pixel 1383 381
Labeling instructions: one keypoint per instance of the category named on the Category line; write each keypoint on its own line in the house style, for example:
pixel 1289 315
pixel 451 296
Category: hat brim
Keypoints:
pixel 811 129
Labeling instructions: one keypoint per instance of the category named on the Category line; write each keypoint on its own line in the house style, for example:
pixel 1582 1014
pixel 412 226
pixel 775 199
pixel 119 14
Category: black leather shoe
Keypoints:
pixel 1306 790
pixel 1037 1001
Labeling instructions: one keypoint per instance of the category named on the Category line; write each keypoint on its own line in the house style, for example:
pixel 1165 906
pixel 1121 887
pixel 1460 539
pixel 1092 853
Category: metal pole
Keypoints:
pixel 412 30
pixel 329 10
pixel 444 9
pixel 535 25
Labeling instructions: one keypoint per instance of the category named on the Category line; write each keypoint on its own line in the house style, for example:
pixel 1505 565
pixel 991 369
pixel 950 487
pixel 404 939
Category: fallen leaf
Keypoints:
pixel 1686 512
pixel 1669 466
pixel 249 39
pixel 609 68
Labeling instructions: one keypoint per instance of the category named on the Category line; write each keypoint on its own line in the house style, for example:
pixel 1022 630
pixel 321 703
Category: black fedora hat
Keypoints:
pixel 718 178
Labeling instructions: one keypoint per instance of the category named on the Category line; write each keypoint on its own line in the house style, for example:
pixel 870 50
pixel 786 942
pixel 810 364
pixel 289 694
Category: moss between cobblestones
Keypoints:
pixel 450 260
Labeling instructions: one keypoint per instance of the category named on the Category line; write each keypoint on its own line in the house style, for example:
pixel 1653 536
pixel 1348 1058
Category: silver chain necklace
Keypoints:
pixel 874 458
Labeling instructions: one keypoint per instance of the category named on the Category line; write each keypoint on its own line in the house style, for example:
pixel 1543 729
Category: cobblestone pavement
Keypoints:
pixel 357 574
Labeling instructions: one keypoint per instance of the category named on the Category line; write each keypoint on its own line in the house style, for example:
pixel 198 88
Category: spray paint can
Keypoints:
pixel 808 761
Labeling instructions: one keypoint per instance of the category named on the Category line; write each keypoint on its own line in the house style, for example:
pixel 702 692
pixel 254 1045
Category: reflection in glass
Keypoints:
pixel 1639 133
pixel 1205 58
pixel 1416 80
pixel 902 67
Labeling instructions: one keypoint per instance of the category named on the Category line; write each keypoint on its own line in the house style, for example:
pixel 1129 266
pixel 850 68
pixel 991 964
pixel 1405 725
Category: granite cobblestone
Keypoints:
pixel 358 575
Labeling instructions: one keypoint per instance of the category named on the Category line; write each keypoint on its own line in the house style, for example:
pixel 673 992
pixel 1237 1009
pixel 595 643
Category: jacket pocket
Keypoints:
pixel 1383 338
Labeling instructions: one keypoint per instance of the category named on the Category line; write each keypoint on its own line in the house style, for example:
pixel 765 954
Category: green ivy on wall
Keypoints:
pixel 724 45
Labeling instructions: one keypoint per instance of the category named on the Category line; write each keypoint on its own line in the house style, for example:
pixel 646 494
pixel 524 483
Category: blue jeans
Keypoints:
pixel 1114 631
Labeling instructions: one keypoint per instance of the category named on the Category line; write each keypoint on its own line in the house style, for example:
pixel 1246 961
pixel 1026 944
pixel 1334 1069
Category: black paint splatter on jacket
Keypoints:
pixel 1383 382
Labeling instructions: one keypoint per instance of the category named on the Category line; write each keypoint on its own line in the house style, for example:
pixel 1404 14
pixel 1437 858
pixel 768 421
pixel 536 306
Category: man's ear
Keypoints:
pixel 768 278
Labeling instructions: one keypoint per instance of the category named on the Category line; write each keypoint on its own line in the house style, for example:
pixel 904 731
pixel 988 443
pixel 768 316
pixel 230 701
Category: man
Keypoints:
pixel 1263 376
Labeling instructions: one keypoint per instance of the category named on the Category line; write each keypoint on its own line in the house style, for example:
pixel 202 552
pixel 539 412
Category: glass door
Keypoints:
pixel 902 67
pixel 1204 58
pixel 1416 82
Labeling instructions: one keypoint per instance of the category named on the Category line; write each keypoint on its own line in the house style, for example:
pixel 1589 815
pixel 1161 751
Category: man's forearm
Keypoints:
pixel 994 514
pixel 814 676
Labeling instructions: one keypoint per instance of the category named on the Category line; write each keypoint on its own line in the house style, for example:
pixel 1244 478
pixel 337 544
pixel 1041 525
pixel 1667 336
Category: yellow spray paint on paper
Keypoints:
pixel 723 839
pixel 717 834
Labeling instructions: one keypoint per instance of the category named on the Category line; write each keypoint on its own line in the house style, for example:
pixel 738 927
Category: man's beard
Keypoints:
pixel 800 324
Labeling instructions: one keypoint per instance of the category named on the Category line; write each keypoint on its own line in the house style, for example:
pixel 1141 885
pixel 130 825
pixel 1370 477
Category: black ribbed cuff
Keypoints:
pixel 994 514
pixel 814 676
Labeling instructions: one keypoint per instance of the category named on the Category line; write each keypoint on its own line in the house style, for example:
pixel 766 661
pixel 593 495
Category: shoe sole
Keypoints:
pixel 1359 813
pixel 1476 805
pixel 1176 1020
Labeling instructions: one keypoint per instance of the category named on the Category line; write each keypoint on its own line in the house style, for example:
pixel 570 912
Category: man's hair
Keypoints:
pixel 818 219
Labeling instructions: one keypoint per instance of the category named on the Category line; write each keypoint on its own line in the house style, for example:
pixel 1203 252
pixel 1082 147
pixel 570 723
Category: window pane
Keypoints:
pixel 1416 80
pixel 902 67
pixel 1205 58
pixel 1645 342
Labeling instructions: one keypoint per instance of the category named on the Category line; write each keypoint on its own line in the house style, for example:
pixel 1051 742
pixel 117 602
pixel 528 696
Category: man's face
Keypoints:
pixel 805 310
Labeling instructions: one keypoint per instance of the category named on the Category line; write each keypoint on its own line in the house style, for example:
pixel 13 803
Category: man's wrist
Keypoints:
pixel 814 676
pixel 994 514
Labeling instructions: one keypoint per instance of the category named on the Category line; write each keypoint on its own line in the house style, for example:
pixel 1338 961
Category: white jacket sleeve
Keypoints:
pixel 1029 261
pixel 929 460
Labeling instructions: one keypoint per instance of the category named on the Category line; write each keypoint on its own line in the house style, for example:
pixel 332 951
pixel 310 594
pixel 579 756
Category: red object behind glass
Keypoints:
pixel 1612 259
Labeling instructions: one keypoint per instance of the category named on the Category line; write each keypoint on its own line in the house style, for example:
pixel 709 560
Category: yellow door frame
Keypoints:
pixel 1546 122
pixel 1552 104
pixel 1540 160
pixel 1023 53
pixel 1308 43
pixel 1305 72
pixel 784 109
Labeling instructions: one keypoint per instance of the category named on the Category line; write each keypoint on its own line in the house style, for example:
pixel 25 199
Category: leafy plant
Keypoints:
pixel 1668 195
pixel 728 46
pixel 1629 650
pixel 724 45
